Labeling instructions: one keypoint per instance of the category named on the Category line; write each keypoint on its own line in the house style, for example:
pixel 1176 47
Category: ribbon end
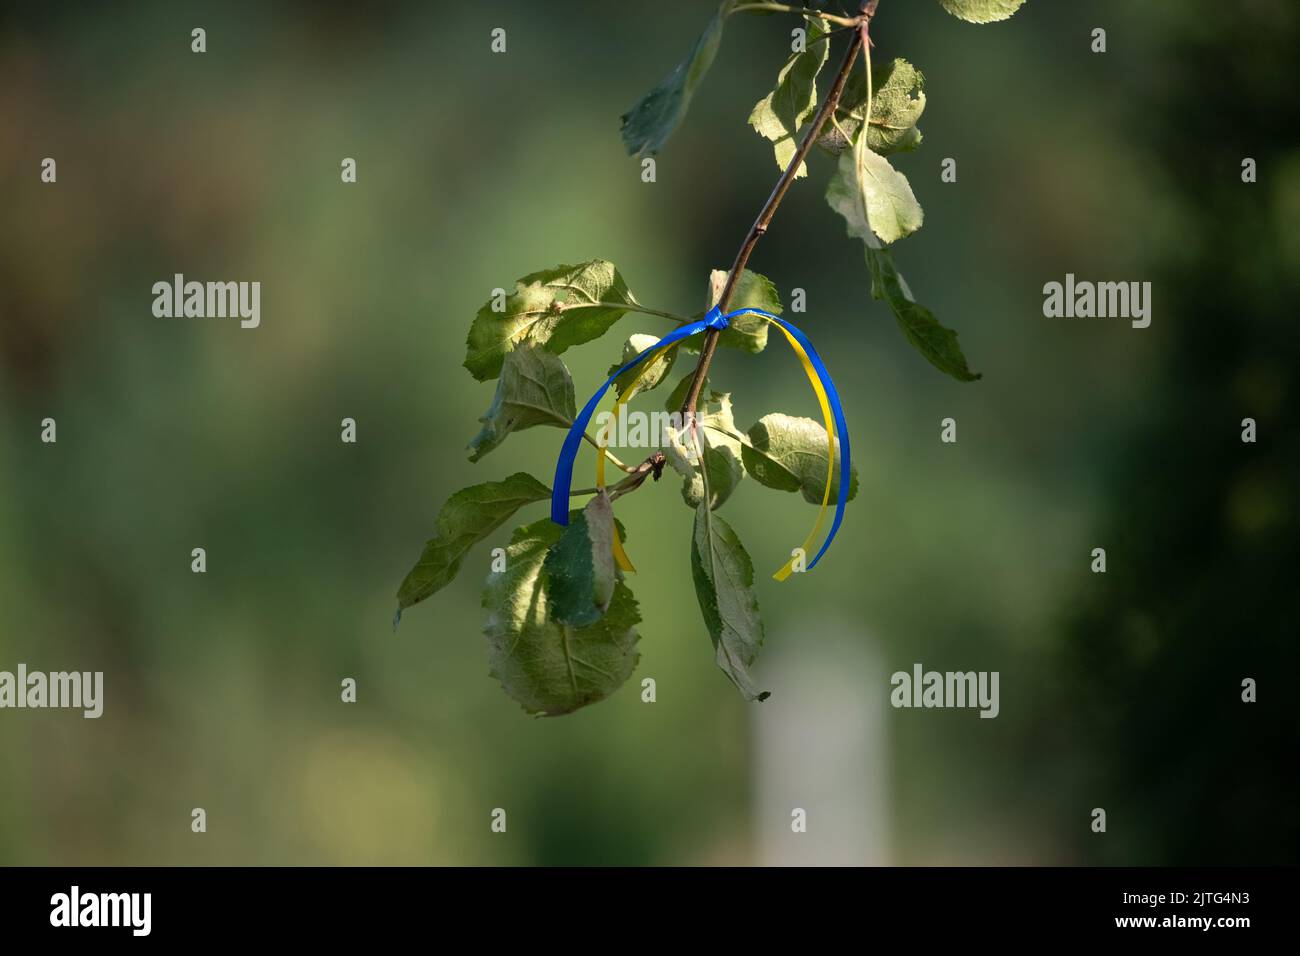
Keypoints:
pixel 620 556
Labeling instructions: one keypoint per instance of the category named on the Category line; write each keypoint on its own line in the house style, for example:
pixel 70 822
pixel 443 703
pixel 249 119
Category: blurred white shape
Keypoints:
pixel 820 746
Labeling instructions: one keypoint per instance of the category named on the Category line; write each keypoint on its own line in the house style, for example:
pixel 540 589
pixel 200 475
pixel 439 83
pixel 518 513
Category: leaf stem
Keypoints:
pixel 802 11
pixel 679 319
pixel 607 453
pixel 860 146
pixel 757 230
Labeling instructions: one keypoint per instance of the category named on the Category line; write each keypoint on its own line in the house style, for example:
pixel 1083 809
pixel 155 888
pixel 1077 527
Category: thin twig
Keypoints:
pixel 765 215
pixel 653 466
pixel 804 11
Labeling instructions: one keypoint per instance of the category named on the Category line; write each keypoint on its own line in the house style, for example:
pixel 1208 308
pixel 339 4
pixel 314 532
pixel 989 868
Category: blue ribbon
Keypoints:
pixel 841 426
pixel 713 319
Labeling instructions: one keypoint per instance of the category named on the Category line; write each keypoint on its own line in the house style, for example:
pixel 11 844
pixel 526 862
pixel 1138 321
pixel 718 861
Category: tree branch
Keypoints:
pixel 759 228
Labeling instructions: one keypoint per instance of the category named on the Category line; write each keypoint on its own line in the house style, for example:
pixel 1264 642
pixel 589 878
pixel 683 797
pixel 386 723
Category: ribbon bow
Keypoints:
pixel 818 376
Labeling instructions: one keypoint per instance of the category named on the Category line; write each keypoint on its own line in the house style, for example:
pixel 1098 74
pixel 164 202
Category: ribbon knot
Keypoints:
pixel 714 319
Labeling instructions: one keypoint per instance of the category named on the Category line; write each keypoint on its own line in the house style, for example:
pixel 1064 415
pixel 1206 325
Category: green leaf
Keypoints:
pixel 580 567
pixel 677 397
pixel 467 517
pixel 534 389
pixel 981 11
pixel 874 198
pixel 552 668
pixel 779 115
pixel 922 329
pixel 789 454
pixel 658 370
pixel 648 124
pixel 753 291
pixel 558 308
pixel 897 102
pixel 724 581
pixel 722 456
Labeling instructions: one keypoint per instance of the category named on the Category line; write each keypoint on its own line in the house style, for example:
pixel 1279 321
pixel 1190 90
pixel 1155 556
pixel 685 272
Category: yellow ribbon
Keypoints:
pixel 786 569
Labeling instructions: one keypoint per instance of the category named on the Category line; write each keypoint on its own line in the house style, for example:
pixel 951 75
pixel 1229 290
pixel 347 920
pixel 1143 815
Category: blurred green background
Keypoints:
pixel 222 690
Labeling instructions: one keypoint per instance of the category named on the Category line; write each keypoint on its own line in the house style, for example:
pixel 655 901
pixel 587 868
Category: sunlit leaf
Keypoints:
pixel 875 199
pixel 534 389
pixel 779 115
pixel 789 454
pixel 982 11
pixel 556 308
pixel 897 102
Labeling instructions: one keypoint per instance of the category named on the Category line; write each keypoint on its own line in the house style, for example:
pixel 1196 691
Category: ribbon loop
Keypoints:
pixel 819 377
pixel 569 450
